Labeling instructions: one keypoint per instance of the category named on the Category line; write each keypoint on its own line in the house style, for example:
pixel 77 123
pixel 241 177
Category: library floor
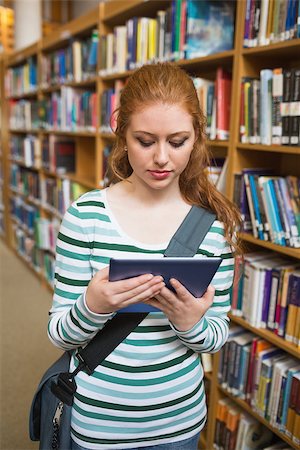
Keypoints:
pixel 25 349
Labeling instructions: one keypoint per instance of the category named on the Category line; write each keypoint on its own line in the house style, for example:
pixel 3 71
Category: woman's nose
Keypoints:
pixel 161 155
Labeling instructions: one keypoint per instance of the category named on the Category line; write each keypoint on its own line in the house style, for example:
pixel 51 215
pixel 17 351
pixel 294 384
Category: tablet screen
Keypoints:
pixel 195 274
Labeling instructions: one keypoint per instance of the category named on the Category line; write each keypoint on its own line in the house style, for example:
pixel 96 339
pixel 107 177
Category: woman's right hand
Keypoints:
pixel 104 296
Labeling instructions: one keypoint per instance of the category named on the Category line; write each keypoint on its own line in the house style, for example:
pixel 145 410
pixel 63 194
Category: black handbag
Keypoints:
pixel 50 413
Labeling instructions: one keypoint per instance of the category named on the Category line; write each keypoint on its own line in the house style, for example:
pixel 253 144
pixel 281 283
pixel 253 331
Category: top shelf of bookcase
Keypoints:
pixel 117 12
pixel 21 55
pixel 76 27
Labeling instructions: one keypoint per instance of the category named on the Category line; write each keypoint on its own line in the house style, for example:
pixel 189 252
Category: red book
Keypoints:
pixel 223 95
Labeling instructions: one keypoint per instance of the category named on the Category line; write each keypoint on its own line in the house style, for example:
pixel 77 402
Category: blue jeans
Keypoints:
pixel 187 444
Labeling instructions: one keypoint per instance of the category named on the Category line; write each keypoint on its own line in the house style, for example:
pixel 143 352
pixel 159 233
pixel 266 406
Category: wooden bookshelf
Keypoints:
pixel 90 144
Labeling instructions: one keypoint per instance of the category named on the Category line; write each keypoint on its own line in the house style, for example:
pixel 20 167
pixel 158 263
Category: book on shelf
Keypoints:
pixel 26 150
pixel 210 27
pixel 61 157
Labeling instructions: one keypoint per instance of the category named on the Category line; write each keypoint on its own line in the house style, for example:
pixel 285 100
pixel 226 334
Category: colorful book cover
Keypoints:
pixel 210 27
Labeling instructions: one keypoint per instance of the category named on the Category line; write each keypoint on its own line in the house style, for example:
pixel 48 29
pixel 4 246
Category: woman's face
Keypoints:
pixel 160 139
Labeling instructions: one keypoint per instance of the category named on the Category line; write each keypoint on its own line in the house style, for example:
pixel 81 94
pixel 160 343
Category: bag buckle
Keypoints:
pixel 65 388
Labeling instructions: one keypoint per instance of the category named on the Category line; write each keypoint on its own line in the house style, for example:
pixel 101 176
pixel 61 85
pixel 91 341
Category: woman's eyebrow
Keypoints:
pixel 178 133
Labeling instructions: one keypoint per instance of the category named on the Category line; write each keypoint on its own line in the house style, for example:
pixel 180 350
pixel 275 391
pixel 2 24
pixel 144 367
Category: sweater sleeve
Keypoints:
pixel 211 332
pixel 71 323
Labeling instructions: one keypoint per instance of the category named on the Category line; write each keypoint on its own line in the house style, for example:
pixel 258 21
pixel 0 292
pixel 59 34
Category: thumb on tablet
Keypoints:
pixel 208 297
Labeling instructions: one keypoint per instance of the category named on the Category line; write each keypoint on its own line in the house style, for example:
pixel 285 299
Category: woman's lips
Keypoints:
pixel 159 174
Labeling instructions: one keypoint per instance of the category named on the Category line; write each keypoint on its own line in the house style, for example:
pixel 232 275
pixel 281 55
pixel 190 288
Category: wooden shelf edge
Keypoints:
pixel 289 251
pixel 249 410
pixel 20 55
pixel 268 148
pixel 288 44
pixel 268 335
pixel 67 31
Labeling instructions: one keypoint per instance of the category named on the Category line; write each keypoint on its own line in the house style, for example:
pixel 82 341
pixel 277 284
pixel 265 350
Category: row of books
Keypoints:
pixel 69 110
pixel 266 293
pixel 22 79
pixel 237 430
pixel 25 181
pixel 215 100
pixel 187 29
pixel 24 214
pixel 24 114
pixel 109 102
pixel 269 21
pixel 56 154
pixel 42 262
pixel 45 233
pixel 265 377
pixel 269 205
pixel 26 150
pixel 58 193
pixel 74 63
pixel 269 111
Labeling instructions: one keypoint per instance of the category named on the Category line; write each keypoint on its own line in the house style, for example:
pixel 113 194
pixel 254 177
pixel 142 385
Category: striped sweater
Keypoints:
pixel 149 390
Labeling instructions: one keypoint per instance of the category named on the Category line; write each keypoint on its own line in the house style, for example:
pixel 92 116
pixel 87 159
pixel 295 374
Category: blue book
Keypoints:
pixel 257 214
pixel 243 372
pixel 210 27
pixel 275 206
pixel 93 52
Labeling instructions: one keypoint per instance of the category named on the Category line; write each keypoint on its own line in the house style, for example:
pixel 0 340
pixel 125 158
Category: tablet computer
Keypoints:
pixel 195 274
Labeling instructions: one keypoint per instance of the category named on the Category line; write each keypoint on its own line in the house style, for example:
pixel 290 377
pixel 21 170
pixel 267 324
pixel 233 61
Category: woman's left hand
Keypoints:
pixel 182 308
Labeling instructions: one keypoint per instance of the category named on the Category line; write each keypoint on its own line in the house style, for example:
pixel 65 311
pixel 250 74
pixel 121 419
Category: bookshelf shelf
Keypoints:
pixel 268 335
pixel 269 148
pixel 212 60
pixel 221 144
pixel 20 56
pixel 23 131
pixel 289 251
pixel 63 34
pixel 91 134
pixel 250 411
pixel 25 95
pixel 116 11
pixel 283 48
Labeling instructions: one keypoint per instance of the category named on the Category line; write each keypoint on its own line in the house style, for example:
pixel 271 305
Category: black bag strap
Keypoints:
pixel 185 242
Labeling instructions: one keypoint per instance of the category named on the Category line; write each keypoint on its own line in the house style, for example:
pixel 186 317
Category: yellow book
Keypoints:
pixel 270 21
pixel 152 39
pixel 138 41
pixel 291 322
pixel 246 107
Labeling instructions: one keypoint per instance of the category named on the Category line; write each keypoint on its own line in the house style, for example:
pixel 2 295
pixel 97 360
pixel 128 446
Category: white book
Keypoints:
pixel 263 22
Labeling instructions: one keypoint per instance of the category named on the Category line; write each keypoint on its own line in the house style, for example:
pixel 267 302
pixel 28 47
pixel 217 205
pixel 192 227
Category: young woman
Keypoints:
pixel 149 392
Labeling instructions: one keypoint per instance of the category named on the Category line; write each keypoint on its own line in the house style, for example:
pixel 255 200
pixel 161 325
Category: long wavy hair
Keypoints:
pixel 169 84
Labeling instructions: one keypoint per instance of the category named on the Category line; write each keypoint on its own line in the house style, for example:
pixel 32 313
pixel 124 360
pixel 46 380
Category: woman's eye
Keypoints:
pixel 145 144
pixel 177 144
